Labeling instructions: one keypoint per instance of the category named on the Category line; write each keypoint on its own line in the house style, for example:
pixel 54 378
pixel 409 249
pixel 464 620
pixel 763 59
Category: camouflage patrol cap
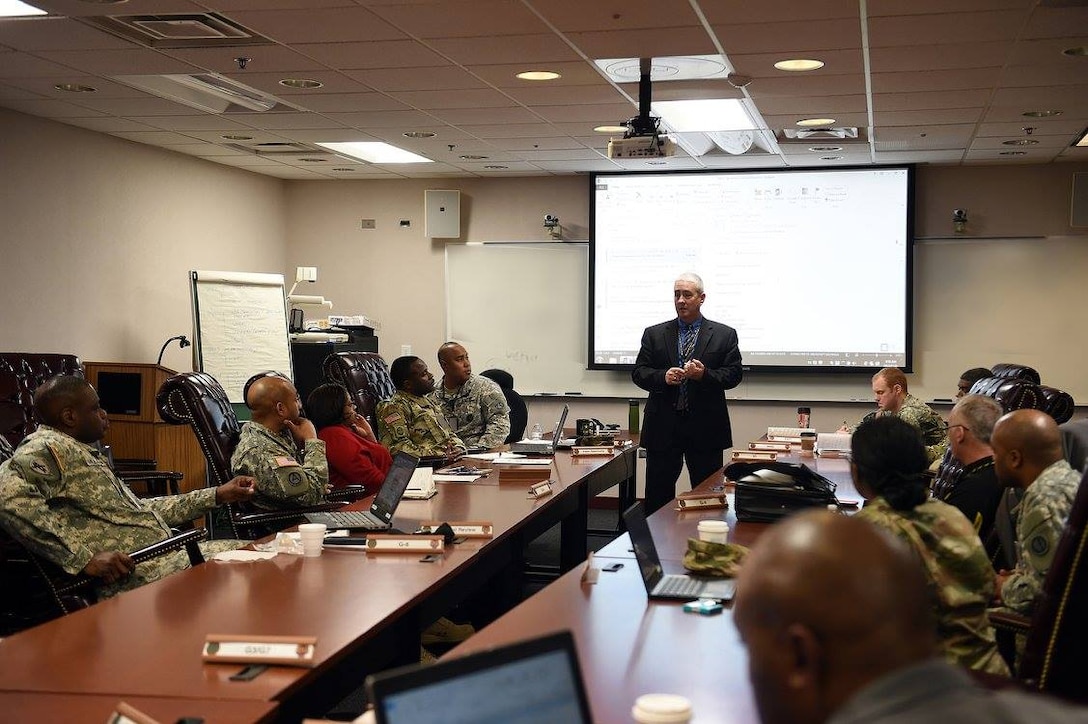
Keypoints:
pixel 714 559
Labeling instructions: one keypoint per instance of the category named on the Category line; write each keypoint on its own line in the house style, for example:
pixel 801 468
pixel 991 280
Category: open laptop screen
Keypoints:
pixel 557 436
pixel 530 682
pixel 396 482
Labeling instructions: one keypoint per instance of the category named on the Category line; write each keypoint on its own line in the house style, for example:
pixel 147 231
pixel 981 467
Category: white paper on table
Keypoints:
pixel 449 478
pixel 240 555
pixel 485 455
pixel 513 459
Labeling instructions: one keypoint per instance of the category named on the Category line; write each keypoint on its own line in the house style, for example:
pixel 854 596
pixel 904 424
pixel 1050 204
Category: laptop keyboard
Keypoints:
pixel 346 519
pixel 679 586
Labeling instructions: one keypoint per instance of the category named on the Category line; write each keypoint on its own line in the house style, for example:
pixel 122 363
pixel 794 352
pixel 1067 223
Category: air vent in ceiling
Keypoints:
pixel 279 148
pixel 189 30
pixel 209 92
pixel 841 135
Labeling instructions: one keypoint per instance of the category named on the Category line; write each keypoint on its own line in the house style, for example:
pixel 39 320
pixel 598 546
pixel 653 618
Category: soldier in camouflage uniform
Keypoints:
pixel 280 448
pixel 5 449
pixel 411 422
pixel 888 467
pixel 473 406
pixel 892 398
pixel 1028 454
pixel 60 498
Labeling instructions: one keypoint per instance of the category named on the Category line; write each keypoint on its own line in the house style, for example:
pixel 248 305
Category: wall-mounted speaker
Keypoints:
pixel 442 214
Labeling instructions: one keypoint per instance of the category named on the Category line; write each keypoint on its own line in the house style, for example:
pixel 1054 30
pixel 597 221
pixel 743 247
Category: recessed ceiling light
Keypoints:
pixel 375 152
pixel 471 157
pixel 1081 50
pixel 825 149
pixel 1021 142
pixel 1012 153
pixel 799 65
pixel 539 75
pixel 1041 114
pixel 16 9
pixel 236 137
pixel 495 166
pixel 75 88
pixel 1083 142
pixel 611 129
pixel 809 122
pixel 302 83
pixel 420 134
pixel 830 158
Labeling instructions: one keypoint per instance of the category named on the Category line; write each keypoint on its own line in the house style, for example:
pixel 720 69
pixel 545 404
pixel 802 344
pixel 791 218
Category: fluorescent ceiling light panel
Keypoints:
pixel 375 152
pixel 719 114
pixel 208 92
pixel 16 9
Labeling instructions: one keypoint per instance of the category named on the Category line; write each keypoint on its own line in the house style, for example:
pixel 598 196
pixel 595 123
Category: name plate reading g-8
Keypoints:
pixel 393 543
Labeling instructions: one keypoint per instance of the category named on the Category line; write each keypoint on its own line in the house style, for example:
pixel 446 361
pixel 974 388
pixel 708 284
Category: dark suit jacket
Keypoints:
pixel 708 416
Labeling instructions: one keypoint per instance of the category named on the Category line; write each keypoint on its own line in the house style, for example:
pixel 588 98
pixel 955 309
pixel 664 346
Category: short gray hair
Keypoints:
pixel 980 413
pixel 694 279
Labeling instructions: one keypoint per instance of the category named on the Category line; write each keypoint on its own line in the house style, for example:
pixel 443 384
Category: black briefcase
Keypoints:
pixel 766 492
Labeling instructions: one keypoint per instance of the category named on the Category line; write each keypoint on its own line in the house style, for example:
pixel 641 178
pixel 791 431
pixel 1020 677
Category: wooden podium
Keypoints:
pixel 127 392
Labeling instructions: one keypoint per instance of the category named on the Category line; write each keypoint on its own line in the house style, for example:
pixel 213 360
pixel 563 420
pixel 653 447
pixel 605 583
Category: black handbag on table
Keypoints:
pixel 766 491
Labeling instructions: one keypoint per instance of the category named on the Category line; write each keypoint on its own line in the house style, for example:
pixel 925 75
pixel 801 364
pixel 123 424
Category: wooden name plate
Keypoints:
pixel 396 543
pixel 754 456
pixel 127 714
pixel 591 450
pixel 282 650
pixel 539 490
pixel 784 438
pixel 466 529
pixel 769 446
pixel 524 474
pixel 690 501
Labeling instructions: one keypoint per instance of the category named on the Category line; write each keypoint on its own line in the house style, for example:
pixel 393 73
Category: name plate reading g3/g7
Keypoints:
pixel 539 490
pixel 465 529
pixel 282 650
pixel 394 543
pixel 690 501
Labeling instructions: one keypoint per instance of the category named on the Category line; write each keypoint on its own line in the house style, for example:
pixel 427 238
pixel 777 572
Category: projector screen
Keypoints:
pixel 811 267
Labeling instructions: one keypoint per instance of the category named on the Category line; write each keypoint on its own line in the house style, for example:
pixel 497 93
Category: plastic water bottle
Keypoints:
pixel 537 432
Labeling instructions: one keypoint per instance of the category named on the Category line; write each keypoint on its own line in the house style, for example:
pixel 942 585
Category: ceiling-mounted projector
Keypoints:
pixel 655 146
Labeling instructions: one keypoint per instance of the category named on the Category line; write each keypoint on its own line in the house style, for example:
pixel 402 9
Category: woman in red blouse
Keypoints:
pixel 354 453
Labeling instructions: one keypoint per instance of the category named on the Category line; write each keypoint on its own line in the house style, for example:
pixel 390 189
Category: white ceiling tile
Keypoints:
pixel 1036 75
pixel 812 106
pixel 138 61
pixel 935 80
pixel 450 20
pixel 949 56
pixel 930 7
pixel 790 37
pixel 931 100
pixel 571 72
pixel 196 122
pixel 590 113
pixel 511 130
pixel 951 156
pixel 645 43
pixel 262 59
pixel 108 124
pixel 157 138
pixel 448 77
pixel 318 25
pixel 132 107
pixel 55 33
pixel 469 116
pixel 48 108
pixel 1057 22
pixel 384 54
pixel 78 8
pixel 286 121
pixel 465 98
pixel 941 116
pixel 765 11
pixel 348 102
pixel 23 65
pixel 975 27
pixel 546 95
pixel 505 49
pixel 407 120
pixel 1042 126
pixel 570 16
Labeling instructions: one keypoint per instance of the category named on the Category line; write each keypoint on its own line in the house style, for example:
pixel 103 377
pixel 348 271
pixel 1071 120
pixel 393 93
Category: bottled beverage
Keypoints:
pixel 537 432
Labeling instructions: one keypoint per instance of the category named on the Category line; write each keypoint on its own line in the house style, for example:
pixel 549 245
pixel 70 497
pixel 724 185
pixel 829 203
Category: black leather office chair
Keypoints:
pixel 366 378
pixel 519 413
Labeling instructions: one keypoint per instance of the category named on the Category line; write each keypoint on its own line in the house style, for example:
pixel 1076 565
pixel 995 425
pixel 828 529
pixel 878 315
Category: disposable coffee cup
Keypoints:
pixel 804 415
pixel 661 709
pixel 808 444
pixel 313 538
pixel 714 531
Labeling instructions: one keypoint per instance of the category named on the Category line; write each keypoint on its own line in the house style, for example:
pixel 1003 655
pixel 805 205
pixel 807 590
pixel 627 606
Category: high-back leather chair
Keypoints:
pixel 366 377
pixel 196 399
pixel 1057 403
pixel 20 374
pixel 34 590
pixel 519 414
pixel 1056 650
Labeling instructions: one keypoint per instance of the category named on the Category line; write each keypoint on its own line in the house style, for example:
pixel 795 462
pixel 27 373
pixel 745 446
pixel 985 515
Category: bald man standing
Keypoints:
pixel 839 627
pixel 1028 455
pixel 280 448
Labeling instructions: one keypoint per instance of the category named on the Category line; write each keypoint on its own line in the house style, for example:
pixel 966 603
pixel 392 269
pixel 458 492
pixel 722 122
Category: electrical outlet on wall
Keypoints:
pixel 369 224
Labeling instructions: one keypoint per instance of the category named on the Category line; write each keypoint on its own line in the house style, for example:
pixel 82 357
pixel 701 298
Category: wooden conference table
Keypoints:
pixel 365 610
pixel 627 645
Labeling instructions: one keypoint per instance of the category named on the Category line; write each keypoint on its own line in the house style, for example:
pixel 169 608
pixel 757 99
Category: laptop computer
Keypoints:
pixel 673 587
pixel 549 446
pixel 380 515
pixel 530 682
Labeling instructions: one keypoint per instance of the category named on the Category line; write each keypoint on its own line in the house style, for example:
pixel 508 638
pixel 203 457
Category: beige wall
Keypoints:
pixel 97 235
pixel 395 274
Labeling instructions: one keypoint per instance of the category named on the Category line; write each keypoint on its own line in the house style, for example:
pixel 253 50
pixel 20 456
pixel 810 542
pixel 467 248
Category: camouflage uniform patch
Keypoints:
pixel 477 412
pixel 1043 513
pixel 413 424
pixel 959 574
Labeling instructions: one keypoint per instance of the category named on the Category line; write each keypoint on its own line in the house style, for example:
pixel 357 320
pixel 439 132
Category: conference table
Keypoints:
pixel 365 610
pixel 628 645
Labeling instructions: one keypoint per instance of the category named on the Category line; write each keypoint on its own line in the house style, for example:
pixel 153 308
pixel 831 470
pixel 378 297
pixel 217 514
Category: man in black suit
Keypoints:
pixel 686 365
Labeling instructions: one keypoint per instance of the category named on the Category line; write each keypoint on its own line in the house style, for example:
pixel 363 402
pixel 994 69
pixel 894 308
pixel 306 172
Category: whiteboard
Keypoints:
pixel 239 326
pixel 523 307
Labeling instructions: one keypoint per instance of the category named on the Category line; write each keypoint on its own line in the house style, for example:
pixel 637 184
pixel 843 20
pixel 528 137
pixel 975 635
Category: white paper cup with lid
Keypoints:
pixel 714 531
pixel 661 709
